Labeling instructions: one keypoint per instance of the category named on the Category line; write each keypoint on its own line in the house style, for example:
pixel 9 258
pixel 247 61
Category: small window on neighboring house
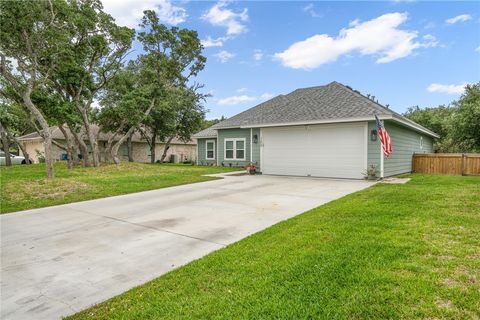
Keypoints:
pixel 125 150
pixel 421 142
pixel 210 146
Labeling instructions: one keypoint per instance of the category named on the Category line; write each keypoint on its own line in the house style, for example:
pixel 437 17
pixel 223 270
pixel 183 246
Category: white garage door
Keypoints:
pixel 336 151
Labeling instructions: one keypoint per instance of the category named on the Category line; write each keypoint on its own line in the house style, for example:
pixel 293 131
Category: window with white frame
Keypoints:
pixel 210 150
pixel 235 149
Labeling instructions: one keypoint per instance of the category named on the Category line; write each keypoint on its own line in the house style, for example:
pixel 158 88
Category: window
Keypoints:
pixel 210 147
pixel 235 149
pixel 125 150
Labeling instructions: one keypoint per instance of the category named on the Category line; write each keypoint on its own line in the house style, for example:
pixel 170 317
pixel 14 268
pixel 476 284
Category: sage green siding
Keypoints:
pixel 202 152
pixel 256 149
pixel 405 142
pixel 233 133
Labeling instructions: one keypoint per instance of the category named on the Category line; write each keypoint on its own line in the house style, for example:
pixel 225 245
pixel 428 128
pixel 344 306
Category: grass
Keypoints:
pixel 25 187
pixel 388 252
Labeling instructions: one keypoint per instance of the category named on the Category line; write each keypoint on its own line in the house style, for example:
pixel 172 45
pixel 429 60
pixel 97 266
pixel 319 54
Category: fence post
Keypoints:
pixel 463 164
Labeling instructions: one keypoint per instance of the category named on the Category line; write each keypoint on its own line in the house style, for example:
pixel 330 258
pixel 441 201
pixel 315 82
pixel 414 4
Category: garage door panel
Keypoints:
pixel 322 150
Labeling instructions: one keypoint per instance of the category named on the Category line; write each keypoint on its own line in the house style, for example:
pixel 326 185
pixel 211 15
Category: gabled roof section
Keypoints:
pixel 206 133
pixel 333 102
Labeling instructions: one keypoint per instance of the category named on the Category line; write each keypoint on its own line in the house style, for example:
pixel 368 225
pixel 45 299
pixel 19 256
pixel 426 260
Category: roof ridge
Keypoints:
pixel 357 93
pixel 314 87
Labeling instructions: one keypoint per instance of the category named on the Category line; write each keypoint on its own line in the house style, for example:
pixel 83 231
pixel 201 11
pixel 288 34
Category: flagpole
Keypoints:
pixel 381 162
pixel 381 158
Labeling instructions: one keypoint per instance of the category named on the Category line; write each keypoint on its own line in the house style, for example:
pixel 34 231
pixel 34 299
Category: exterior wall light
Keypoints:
pixel 373 135
pixel 255 138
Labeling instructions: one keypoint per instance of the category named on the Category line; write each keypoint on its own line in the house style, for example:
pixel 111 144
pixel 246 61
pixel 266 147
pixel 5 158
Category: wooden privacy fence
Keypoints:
pixel 465 164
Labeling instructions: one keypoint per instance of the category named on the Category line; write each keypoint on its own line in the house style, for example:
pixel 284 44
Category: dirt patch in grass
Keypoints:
pixel 43 189
pixel 444 304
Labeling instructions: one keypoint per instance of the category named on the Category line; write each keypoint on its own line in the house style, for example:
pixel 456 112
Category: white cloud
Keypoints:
pixel 257 54
pixel 379 37
pixel 130 12
pixel 233 100
pixel 223 56
pixel 211 42
pixel 459 18
pixel 310 9
pixel 219 15
pixel 447 88
pixel 267 96
pixel 477 49
pixel 241 90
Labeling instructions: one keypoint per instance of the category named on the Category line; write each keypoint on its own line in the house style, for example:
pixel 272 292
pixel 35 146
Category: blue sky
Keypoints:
pixel 404 52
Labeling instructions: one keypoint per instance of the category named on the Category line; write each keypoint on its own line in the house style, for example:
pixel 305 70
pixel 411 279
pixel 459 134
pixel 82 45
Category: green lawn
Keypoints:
pixel 389 252
pixel 25 187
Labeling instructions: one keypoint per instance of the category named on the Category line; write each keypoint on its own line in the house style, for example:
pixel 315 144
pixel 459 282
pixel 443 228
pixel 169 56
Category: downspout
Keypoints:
pixel 251 145
pixel 196 160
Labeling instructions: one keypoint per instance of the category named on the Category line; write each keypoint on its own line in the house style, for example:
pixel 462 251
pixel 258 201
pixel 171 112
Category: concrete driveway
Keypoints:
pixel 59 260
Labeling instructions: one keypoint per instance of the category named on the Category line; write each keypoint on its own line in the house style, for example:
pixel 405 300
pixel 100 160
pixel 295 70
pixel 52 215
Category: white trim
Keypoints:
pixel 300 123
pixel 365 150
pixel 206 149
pixel 251 145
pixel 416 126
pixel 405 122
pixel 234 140
pixel 261 149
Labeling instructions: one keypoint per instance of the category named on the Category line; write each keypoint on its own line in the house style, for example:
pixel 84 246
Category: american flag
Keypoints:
pixel 384 138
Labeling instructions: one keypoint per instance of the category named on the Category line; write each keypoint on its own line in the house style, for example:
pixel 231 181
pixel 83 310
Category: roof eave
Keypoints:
pixel 410 124
pixel 326 121
pixel 415 126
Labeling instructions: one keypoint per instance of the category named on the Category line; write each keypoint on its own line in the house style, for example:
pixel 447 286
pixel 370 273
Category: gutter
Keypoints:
pixel 395 118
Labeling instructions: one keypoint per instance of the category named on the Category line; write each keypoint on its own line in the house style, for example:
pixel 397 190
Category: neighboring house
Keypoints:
pixel 33 143
pixel 325 131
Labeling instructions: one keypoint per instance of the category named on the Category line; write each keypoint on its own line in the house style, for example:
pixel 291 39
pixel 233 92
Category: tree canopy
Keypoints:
pixel 60 57
pixel 457 124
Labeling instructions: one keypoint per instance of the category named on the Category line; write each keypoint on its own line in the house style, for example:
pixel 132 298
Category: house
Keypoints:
pixel 181 151
pixel 324 131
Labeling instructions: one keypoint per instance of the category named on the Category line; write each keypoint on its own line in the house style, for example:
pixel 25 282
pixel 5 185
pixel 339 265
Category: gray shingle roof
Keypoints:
pixel 206 133
pixel 333 101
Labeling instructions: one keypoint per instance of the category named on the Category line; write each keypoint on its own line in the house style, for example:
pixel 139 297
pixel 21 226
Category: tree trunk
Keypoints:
pixel 130 147
pixel 108 148
pixel 5 146
pixel 81 146
pixel 68 147
pixel 165 149
pixel 152 147
pixel 117 145
pixel 24 151
pixel 46 134
pixel 75 151
pixel 91 139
